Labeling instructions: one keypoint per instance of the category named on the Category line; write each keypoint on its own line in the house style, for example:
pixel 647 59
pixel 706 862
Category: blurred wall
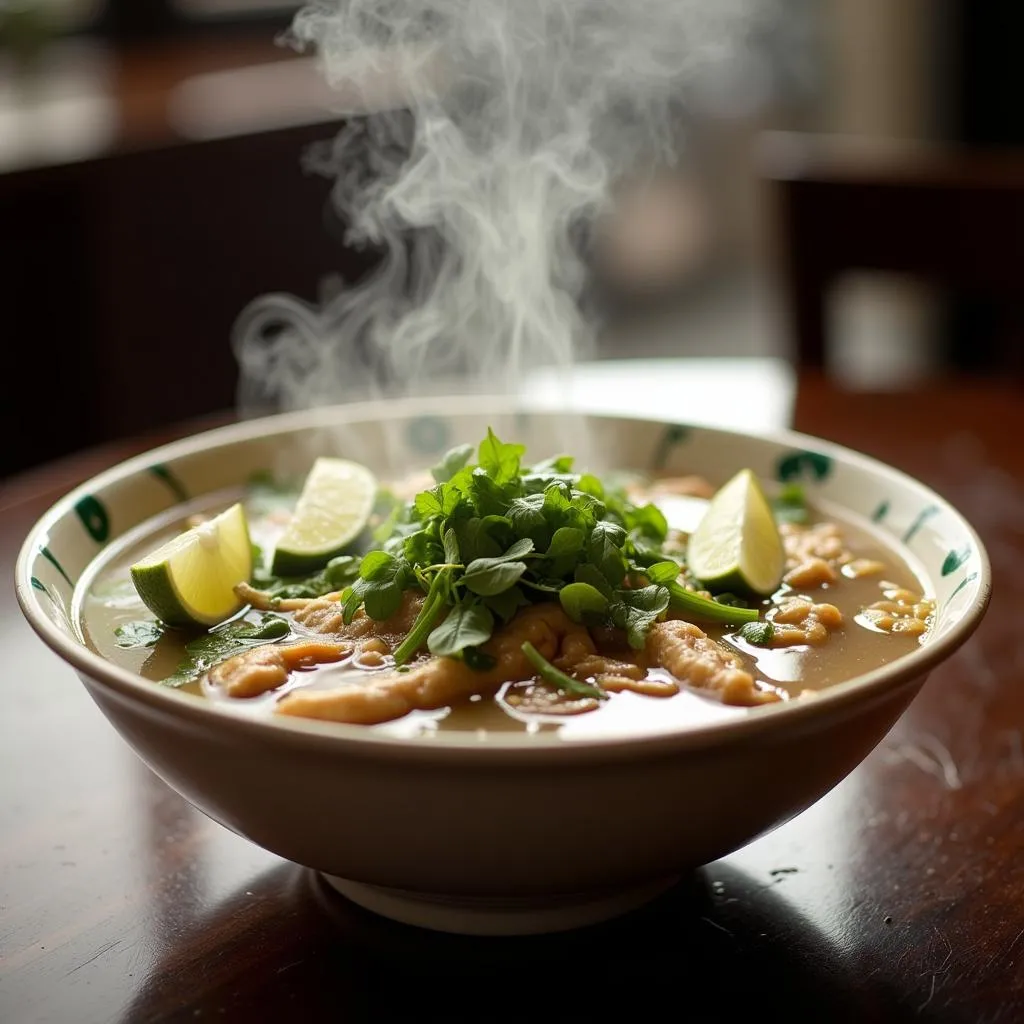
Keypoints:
pixel 883 54
pixel 885 59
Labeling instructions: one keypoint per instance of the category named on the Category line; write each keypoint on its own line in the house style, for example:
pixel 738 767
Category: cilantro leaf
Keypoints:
pixel 489 576
pixel 589 484
pixel 382 578
pixel 605 551
pixel 453 460
pixel 382 600
pixel 430 503
pixel 564 551
pixel 526 514
pixel 138 634
pixel 662 572
pixel 649 521
pixel 592 575
pixel 336 575
pixel 466 625
pixel 205 651
pixel 558 464
pixel 522 547
pixel 377 565
pixel 506 603
pixel 583 603
pixel 498 460
pixel 451 546
pixel 491 497
pixel 475 538
pixel 421 548
pixel 760 633
pixel 638 610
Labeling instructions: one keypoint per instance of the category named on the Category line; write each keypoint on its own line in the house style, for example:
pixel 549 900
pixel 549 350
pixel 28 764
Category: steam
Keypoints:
pixel 484 141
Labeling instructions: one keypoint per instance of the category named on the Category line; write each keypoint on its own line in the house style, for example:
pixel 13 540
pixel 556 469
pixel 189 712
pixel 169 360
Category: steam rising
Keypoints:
pixel 485 139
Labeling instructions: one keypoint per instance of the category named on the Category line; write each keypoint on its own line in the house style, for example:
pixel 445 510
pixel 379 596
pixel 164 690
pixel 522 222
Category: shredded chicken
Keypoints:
pixel 323 615
pixel 693 657
pixel 437 682
pixel 264 668
pixel 532 698
pixel 680 647
pixel 648 687
pixel 587 664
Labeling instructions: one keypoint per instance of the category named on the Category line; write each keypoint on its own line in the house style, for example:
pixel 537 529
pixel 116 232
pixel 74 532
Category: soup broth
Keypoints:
pixel 848 604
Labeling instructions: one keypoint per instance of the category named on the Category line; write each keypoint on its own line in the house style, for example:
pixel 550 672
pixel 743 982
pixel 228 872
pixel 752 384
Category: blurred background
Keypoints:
pixel 862 215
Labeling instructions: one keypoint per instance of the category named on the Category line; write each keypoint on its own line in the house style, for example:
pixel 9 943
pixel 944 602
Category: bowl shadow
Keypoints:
pixel 717 946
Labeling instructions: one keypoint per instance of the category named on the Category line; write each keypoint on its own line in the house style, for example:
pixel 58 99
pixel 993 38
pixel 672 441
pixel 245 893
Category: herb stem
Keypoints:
pixel 424 623
pixel 683 600
pixel 556 677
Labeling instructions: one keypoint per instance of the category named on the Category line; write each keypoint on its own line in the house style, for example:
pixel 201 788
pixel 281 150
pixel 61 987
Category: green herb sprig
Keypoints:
pixel 339 573
pixel 229 638
pixel 493 536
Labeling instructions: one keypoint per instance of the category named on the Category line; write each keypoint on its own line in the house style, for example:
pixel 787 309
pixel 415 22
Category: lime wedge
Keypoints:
pixel 190 580
pixel 332 511
pixel 736 546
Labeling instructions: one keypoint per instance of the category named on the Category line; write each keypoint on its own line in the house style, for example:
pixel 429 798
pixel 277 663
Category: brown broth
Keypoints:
pixel 107 599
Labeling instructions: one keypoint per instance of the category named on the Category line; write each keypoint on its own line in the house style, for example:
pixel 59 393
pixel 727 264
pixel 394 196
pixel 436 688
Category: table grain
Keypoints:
pixel 898 896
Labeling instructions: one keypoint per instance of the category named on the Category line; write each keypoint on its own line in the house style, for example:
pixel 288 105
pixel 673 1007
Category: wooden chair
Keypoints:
pixel 952 218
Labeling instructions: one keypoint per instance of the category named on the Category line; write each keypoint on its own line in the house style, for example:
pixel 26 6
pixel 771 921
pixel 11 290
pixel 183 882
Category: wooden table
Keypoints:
pixel 898 896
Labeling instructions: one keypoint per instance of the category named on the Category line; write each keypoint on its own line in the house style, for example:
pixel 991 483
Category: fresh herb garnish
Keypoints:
pixel 493 536
pixel 760 634
pixel 335 576
pixel 557 678
pixel 205 651
pixel 138 634
pixel 708 609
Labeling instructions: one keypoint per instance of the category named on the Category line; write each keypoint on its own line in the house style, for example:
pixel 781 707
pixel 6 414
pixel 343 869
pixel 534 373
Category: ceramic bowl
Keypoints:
pixel 515 833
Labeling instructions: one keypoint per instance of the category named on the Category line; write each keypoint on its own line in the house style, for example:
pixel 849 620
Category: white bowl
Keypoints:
pixel 517 833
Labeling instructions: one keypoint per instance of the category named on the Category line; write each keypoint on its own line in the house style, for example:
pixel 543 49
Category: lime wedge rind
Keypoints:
pixel 331 514
pixel 189 581
pixel 736 546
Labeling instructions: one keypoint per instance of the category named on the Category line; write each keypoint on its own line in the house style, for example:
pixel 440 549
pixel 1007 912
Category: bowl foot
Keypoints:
pixel 468 915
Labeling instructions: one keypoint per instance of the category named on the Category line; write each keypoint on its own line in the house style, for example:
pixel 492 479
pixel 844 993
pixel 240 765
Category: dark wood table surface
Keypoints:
pixel 899 896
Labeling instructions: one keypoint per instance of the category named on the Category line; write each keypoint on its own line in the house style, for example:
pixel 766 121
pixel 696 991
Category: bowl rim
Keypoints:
pixel 867 688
